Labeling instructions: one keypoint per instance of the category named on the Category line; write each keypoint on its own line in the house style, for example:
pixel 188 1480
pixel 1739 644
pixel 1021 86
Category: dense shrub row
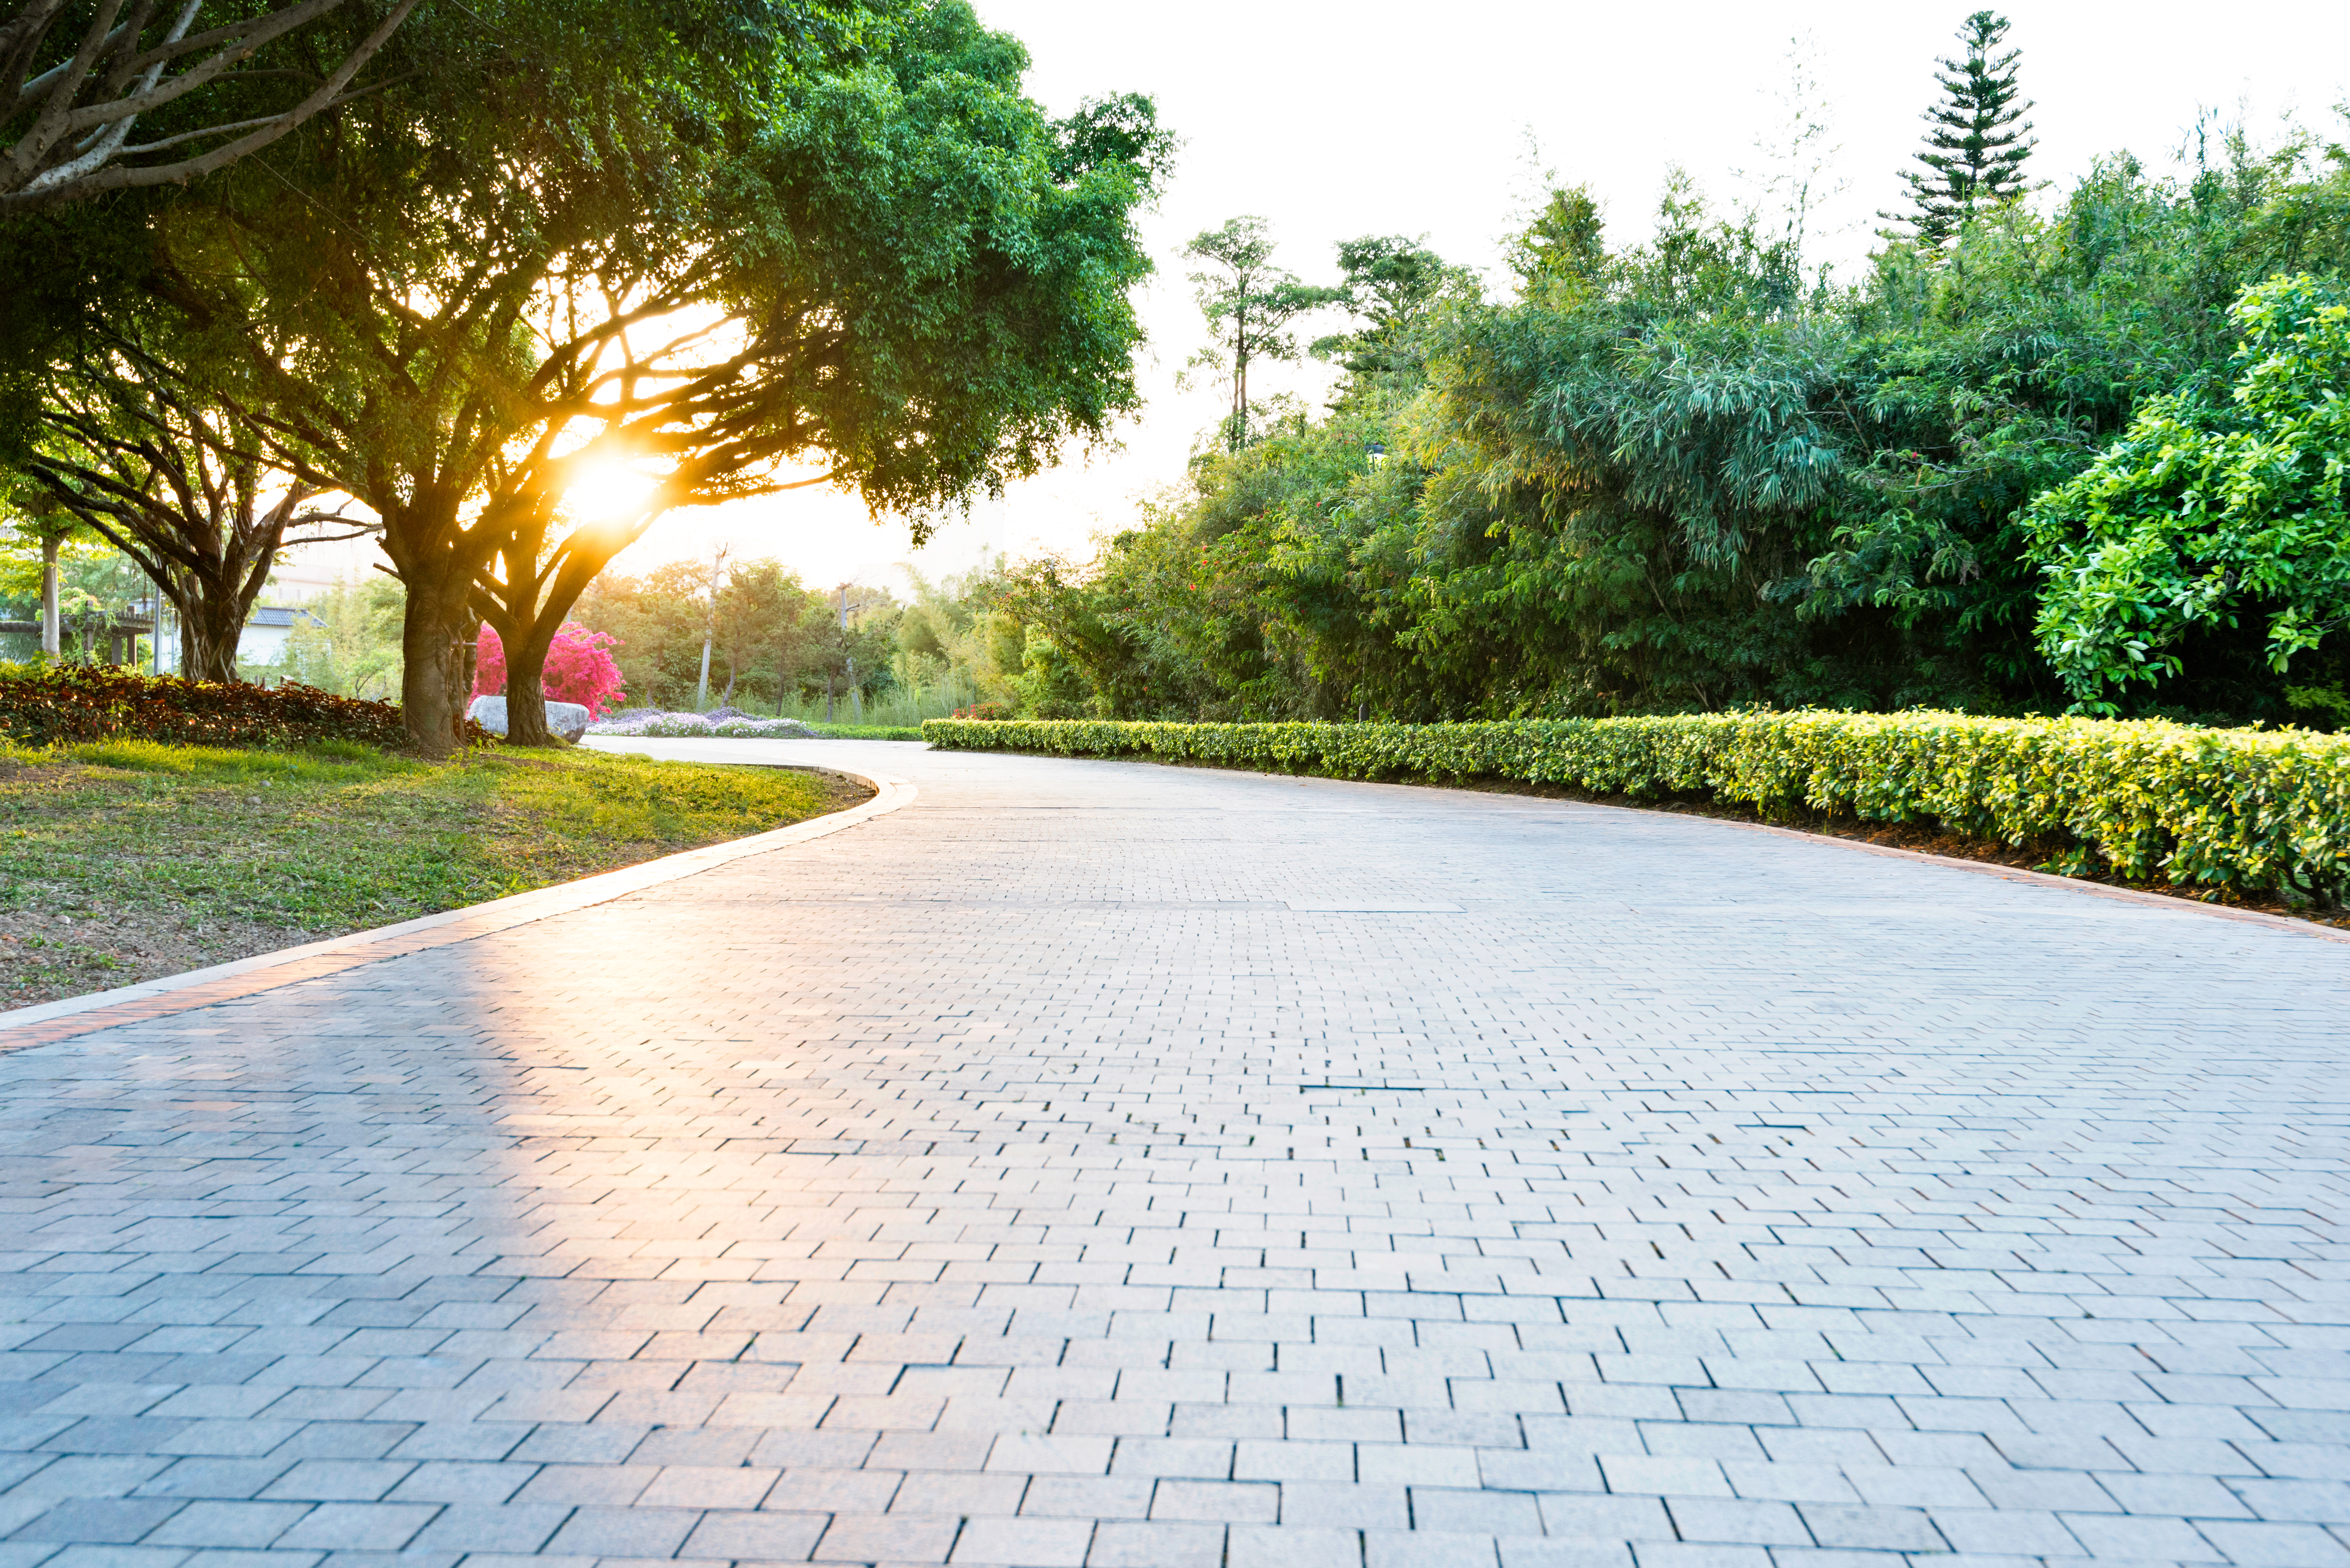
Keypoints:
pixel 87 703
pixel 2250 810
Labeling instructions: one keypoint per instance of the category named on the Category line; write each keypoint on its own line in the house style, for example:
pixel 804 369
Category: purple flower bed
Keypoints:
pixel 720 723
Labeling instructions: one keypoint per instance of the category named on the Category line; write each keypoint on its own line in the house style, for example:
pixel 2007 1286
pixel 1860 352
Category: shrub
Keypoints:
pixel 578 668
pixel 40 704
pixel 2245 810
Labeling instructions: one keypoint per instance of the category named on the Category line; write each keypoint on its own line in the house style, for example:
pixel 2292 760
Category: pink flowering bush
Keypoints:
pixel 579 668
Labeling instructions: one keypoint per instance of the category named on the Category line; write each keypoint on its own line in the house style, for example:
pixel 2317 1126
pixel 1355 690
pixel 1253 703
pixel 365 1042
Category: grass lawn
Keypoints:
pixel 124 860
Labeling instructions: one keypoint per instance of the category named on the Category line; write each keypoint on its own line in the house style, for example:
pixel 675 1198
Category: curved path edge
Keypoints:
pixel 2040 878
pixel 1956 862
pixel 198 988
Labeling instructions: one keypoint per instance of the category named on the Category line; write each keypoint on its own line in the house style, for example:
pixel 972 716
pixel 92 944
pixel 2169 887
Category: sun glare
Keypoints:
pixel 608 491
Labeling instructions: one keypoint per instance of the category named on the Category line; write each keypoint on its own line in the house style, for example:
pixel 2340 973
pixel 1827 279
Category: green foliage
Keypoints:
pixel 1565 242
pixel 2241 810
pixel 1975 150
pixel 2210 510
pixel 1675 475
pixel 778 645
pixel 773 638
pixel 2328 707
pixel 46 703
pixel 1389 283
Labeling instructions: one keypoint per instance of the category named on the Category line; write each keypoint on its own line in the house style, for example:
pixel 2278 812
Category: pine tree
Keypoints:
pixel 1978 138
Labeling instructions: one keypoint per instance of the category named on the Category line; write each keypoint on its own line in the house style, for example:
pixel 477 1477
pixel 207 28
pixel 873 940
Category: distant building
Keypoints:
pixel 268 631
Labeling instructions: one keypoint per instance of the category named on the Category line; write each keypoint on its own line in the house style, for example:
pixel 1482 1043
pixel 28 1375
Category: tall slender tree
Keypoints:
pixel 1248 303
pixel 1977 140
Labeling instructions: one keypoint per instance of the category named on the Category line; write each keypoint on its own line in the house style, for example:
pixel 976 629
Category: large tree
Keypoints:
pixel 77 81
pixel 841 242
pixel 181 485
pixel 1977 140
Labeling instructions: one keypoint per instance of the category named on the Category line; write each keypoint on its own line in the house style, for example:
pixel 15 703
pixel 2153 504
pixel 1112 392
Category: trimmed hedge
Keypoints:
pixel 43 703
pixel 2249 810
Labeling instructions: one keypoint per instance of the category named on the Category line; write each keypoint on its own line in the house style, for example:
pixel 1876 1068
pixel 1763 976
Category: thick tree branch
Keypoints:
pixel 77 142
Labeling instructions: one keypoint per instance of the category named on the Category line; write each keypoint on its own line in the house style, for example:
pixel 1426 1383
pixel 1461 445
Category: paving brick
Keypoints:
pixel 2144 1539
pixel 227 1524
pixel 1234 1503
pixel 1291 1546
pixel 1396 1549
pixel 2275 1545
pixel 887 1538
pixel 1025 1542
pixel 98 1522
pixel 1157 1546
pixel 1719 1521
pixel 1871 1529
pixel 360 1526
pixel 470 1527
pixel 624 1532
pixel 755 1537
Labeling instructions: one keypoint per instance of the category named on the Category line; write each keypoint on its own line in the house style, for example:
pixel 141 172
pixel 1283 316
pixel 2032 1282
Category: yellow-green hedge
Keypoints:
pixel 2247 809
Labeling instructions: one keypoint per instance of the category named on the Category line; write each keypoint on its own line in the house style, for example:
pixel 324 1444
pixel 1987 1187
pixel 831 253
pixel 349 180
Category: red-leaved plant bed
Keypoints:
pixel 87 703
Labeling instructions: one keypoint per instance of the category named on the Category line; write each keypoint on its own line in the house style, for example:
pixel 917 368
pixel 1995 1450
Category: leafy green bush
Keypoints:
pixel 2247 810
pixel 42 704
pixel 2208 509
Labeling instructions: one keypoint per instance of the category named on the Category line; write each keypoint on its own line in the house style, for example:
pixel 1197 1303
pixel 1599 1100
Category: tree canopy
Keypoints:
pixel 1673 474
pixel 836 239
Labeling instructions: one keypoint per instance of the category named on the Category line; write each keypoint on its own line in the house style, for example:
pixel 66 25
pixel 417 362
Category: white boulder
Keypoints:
pixel 569 720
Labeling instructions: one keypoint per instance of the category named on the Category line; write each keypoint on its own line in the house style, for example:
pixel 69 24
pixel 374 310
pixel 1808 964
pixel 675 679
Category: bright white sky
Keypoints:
pixel 1381 117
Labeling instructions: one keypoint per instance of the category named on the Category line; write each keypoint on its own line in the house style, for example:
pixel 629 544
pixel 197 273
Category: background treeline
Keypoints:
pixel 1688 474
pixel 776 646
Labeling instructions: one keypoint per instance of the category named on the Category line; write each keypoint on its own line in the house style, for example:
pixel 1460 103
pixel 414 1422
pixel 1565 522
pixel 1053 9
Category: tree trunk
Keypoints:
pixel 526 708
pixel 52 643
pixel 526 647
pixel 436 645
pixel 702 692
pixel 210 627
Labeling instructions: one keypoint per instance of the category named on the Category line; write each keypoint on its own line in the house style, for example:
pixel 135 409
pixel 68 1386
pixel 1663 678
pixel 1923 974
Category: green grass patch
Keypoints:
pixel 143 850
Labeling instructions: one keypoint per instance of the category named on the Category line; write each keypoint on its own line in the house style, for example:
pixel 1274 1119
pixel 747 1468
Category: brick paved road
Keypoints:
pixel 1100 1164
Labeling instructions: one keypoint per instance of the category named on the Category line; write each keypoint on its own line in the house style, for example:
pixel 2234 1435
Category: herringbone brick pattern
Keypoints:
pixel 1095 1164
